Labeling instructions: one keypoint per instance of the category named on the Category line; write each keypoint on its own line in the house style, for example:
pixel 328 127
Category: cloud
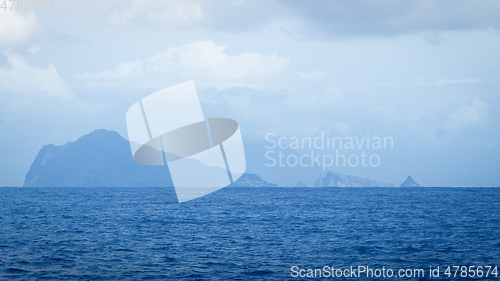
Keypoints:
pixel 19 77
pixel 312 75
pixel 467 116
pixel 203 60
pixel 172 12
pixel 36 100
pixel 227 16
pixel 445 82
pixel 16 28
pixel 393 17
pixel 317 18
pixel 341 127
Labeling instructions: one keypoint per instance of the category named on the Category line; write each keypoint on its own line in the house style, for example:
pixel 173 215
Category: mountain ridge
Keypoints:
pixel 334 179
pixel 102 158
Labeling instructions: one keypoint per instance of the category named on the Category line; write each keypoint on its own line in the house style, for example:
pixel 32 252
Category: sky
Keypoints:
pixel 424 73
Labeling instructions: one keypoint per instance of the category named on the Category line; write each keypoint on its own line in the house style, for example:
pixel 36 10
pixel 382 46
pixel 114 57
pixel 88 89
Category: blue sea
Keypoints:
pixel 244 233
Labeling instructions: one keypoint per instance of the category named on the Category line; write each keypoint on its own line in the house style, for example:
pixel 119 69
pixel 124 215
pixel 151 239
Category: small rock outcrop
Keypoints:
pixel 409 182
pixel 251 180
pixel 301 183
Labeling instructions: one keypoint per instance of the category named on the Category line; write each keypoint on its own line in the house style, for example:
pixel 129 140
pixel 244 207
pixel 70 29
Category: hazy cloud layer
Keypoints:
pixel 318 19
pixel 393 17
pixel 172 12
pixel 202 60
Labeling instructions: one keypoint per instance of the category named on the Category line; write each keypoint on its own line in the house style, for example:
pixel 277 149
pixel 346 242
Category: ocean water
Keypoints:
pixel 242 233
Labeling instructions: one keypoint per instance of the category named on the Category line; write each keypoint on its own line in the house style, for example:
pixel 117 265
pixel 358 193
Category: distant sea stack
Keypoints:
pixel 301 183
pixel 333 179
pixel 409 182
pixel 251 180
